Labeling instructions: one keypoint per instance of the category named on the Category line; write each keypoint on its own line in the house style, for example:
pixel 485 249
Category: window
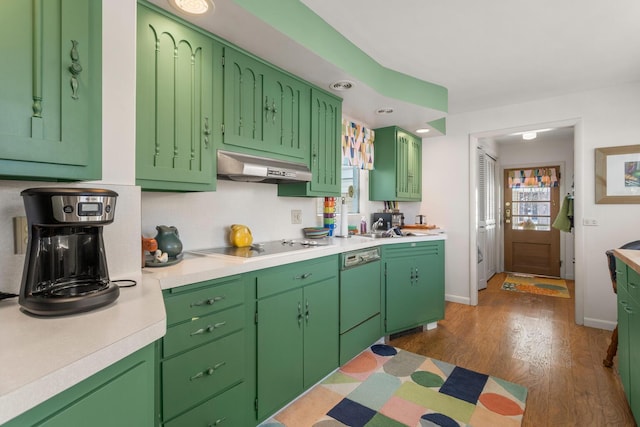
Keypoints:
pixel 349 189
pixel 531 208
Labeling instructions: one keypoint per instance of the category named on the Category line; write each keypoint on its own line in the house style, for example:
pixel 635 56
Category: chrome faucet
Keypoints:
pixel 379 223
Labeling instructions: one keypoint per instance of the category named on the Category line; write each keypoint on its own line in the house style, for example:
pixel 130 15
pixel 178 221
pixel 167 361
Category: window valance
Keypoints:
pixel 543 177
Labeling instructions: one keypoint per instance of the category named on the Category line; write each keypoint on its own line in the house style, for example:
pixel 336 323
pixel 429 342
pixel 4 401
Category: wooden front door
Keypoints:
pixel 531 245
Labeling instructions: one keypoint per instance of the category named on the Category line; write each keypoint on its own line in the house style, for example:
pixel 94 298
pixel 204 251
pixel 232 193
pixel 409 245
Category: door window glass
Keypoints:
pixel 531 208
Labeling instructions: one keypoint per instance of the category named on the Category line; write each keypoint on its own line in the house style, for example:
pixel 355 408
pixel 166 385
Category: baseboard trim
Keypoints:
pixel 600 324
pixel 458 299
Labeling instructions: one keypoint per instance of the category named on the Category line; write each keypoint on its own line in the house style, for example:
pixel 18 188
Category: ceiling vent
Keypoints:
pixel 382 111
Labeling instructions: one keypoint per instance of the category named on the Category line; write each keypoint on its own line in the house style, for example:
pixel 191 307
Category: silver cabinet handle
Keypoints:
pixel 303 276
pixel 307 311
pixel 206 132
pixel 209 301
pixel 208 371
pixel 209 328
pixel 217 422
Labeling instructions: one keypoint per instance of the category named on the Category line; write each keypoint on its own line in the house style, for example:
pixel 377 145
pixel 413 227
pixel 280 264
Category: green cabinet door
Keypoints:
pixel 623 338
pixel 414 284
pixel 174 106
pixel 397 173
pixel 50 102
pixel 280 350
pixel 297 330
pixel 120 395
pixel 326 152
pixel 266 112
pixel 321 333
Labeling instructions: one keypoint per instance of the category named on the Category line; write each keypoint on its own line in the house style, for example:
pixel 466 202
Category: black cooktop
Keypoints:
pixel 265 248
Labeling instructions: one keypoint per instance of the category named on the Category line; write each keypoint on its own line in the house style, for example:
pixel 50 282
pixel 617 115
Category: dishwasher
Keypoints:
pixel 360 301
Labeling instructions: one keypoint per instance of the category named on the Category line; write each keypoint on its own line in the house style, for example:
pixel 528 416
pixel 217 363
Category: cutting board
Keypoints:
pixel 419 226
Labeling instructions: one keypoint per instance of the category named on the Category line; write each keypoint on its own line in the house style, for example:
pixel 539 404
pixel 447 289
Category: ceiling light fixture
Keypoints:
pixel 528 136
pixel 193 7
pixel 384 111
pixel 422 130
pixel 341 85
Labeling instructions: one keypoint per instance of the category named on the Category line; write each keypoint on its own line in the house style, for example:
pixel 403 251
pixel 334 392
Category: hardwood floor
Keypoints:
pixel 532 340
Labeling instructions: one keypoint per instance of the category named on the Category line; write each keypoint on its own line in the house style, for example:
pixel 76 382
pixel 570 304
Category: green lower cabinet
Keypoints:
pixel 628 335
pixel 414 284
pixel 51 97
pixel 205 358
pixel 120 395
pixel 297 331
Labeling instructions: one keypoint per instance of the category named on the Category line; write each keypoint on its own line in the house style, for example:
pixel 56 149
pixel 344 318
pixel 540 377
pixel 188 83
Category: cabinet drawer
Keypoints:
pixel 202 329
pixel 359 338
pixel 223 410
pixel 280 279
pixel 203 298
pixel 192 377
pixel 621 274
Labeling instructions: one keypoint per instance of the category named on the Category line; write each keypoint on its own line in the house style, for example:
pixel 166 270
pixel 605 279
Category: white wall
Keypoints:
pixel 606 117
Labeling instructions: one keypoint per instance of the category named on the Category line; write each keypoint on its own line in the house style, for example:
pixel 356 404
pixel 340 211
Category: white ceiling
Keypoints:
pixel 488 54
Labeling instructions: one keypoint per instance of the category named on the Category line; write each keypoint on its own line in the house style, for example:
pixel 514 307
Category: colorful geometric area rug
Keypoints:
pixel 536 285
pixel 386 387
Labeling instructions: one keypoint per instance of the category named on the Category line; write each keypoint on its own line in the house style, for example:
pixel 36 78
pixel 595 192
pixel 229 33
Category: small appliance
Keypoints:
pixel 65 269
pixel 389 219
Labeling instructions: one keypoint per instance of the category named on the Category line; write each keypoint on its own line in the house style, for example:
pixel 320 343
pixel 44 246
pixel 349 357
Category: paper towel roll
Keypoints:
pixel 344 219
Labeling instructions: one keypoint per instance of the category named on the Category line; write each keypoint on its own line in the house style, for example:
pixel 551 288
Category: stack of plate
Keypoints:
pixel 315 232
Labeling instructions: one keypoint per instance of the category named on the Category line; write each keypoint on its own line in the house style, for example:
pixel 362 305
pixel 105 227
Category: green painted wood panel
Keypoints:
pixel 279 350
pixel 628 335
pixel 326 151
pixel 266 112
pixel 321 332
pixel 50 104
pixel 357 339
pixel 359 294
pixel 223 410
pixel 624 363
pixel 120 395
pixel 397 173
pixel 414 284
pixel 196 375
pixel 174 106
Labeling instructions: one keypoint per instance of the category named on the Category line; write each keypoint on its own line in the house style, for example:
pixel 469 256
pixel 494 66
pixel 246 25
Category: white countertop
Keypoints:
pixel 41 357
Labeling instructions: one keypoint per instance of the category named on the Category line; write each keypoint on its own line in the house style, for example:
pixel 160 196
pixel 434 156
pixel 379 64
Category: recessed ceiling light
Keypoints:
pixel 528 136
pixel 423 130
pixel 384 111
pixel 341 85
pixel 193 7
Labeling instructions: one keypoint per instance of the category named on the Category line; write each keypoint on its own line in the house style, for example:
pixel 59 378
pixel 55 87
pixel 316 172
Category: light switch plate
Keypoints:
pixel 296 216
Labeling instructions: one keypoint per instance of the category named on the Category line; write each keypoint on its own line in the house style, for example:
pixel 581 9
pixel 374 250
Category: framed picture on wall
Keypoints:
pixel 618 174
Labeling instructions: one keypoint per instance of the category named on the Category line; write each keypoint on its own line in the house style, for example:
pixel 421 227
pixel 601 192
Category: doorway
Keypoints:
pixel 541 151
pixel 531 203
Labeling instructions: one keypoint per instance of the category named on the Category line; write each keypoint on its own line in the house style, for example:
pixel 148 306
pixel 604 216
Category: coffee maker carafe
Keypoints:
pixel 65 269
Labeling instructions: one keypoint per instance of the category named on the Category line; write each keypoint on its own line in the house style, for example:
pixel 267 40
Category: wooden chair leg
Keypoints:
pixel 613 348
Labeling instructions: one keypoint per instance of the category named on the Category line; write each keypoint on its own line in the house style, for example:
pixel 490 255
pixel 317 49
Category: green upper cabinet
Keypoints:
pixel 397 173
pixel 325 154
pixel 265 110
pixel 175 104
pixel 50 102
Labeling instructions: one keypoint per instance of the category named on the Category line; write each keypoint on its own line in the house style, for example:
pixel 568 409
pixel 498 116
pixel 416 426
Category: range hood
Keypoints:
pixel 244 167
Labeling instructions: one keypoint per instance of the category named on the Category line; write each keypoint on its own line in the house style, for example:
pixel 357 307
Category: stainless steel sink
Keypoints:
pixel 379 235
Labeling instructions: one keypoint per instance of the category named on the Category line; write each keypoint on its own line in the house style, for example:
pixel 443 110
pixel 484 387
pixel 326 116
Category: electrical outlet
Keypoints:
pixel 296 216
pixel 589 222
pixel 20 234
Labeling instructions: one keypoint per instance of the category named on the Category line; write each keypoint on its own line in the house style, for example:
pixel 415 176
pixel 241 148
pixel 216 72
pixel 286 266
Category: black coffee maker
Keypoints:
pixel 65 269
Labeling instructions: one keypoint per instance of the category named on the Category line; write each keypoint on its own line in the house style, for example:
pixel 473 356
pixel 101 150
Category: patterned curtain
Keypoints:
pixel 544 177
pixel 357 145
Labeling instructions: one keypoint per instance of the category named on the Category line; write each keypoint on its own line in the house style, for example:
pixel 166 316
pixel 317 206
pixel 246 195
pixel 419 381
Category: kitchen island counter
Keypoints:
pixel 43 356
